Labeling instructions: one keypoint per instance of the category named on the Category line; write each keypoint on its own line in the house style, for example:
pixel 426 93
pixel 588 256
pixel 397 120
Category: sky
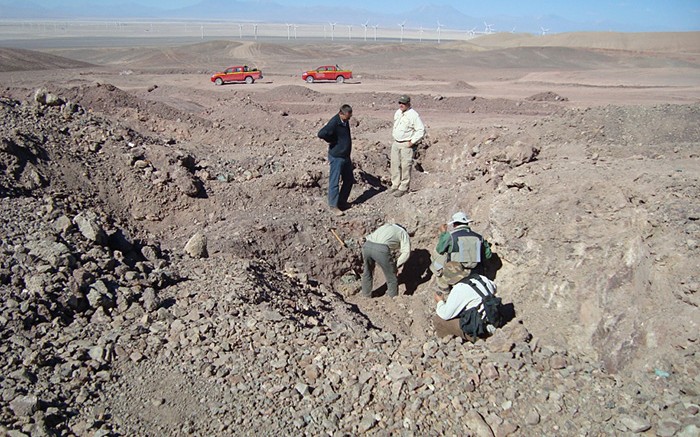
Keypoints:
pixel 682 15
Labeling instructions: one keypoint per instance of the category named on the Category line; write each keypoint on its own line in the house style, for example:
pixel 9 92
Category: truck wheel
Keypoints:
pixel 340 79
pixel 219 81
pixel 249 80
pixel 310 79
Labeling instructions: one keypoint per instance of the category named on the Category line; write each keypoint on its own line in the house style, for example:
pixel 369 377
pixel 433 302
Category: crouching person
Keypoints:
pixel 466 304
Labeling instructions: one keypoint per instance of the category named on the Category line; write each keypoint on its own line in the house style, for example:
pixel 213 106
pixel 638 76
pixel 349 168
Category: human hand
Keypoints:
pixel 443 228
pixel 437 297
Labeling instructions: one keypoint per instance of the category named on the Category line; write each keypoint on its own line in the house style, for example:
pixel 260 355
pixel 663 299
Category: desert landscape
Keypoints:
pixel 170 266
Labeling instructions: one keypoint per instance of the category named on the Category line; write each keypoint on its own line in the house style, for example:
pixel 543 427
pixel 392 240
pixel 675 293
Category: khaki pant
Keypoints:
pixel 401 163
pixel 443 328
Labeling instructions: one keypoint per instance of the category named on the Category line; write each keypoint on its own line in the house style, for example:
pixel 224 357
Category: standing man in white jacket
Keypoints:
pixel 407 133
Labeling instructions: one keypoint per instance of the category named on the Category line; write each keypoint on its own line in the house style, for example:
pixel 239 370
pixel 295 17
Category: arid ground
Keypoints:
pixel 170 266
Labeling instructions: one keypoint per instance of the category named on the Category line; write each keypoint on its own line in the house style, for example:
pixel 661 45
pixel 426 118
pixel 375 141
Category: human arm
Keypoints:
pixel 327 132
pixel 487 250
pixel 444 243
pixel 418 130
pixel 404 248
pixel 451 307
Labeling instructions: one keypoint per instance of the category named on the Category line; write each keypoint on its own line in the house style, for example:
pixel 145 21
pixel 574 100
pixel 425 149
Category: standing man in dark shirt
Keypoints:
pixel 337 134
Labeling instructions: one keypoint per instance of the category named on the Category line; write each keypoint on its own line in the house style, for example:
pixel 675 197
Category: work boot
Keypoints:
pixel 336 211
pixel 400 193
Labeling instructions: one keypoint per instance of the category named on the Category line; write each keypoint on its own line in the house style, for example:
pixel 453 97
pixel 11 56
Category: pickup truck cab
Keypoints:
pixel 327 73
pixel 239 73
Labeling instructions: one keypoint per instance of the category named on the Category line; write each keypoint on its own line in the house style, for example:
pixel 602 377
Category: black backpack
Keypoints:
pixel 472 322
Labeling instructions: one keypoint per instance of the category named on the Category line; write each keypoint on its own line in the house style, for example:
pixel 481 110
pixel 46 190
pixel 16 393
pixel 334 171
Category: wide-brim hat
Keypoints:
pixel 460 217
pixel 452 273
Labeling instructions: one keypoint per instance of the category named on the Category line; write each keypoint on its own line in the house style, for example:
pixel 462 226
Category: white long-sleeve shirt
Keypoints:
pixel 395 237
pixel 408 126
pixel 462 296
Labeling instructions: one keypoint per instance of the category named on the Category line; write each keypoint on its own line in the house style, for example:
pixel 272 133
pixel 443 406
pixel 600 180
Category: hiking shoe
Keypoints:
pixel 392 190
pixel 336 211
pixel 400 193
pixel 392 294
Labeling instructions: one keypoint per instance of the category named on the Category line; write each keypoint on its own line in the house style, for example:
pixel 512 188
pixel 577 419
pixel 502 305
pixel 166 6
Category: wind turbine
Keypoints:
pixel 295 31
pixel 289 28
pixel 488 28
pixel 365 26
pixel 402 26
pixel 420 34
pixel 375 31
pixel 240 31
pixel 332 29
pixel 201 28
pixel 544 31
pixel 512 30
pixel 349 31
pixel 255 31
pixel 472 32
pixel 438 30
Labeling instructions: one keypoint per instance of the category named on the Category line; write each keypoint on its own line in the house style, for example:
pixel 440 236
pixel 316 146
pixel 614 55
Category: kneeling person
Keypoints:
pixel 470 310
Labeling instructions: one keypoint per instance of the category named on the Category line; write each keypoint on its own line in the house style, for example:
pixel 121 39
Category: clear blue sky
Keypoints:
pixel 686 13
pixel 673 14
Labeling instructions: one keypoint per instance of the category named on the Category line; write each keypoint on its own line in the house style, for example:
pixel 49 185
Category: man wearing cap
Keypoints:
pixel 379 248
pixel 337 134
pixel 408 131
pixel 460 244
pixel 465 292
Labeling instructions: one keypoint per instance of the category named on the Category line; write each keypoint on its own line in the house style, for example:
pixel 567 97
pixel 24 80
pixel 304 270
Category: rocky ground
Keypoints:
pixel 169 266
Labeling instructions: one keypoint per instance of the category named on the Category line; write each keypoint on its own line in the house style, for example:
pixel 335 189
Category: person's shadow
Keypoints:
pixel 375 188
pixel 491 266
pixel 416 272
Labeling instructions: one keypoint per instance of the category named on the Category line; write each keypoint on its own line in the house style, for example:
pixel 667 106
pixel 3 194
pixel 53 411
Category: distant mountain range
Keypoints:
pixel 427 17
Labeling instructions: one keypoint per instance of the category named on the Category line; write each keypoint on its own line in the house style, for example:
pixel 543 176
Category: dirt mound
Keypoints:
pixel 26 60
pixel 461 85
pixel 290 93
pixel 547 96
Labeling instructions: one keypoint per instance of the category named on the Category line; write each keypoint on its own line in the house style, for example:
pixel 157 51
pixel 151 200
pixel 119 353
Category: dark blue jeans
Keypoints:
pixel 341 168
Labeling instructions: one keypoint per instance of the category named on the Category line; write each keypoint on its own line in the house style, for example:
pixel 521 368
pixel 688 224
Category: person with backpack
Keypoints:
pixel 461 244
pixel 470 310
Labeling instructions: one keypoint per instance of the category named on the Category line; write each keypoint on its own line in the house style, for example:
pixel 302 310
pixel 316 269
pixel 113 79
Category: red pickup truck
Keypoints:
pixel 239 73
pixel 327 72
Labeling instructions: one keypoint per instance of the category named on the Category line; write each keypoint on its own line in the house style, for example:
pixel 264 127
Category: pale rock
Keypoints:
pixel 196 247
pixel 476 424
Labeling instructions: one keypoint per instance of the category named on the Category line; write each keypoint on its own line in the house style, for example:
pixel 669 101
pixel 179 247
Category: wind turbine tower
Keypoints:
pixel 240 31
pixel 349 31
pixel 402 26
pixel 289 28
pixel 375 31
pixel 332 29
pixel 438 30
pixel 365 26
pixel 255 31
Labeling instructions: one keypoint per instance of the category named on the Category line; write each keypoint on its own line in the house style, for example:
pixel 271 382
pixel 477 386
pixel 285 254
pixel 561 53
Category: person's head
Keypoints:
pixel 460 218
pixel 452 273
pixel 404 102
pixel 345 112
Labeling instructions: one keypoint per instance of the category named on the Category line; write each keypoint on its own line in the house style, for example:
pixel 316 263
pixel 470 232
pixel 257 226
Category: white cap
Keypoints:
pixel 460 217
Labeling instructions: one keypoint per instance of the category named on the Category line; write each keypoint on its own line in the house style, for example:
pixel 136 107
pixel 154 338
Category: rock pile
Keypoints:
pixel 105 332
